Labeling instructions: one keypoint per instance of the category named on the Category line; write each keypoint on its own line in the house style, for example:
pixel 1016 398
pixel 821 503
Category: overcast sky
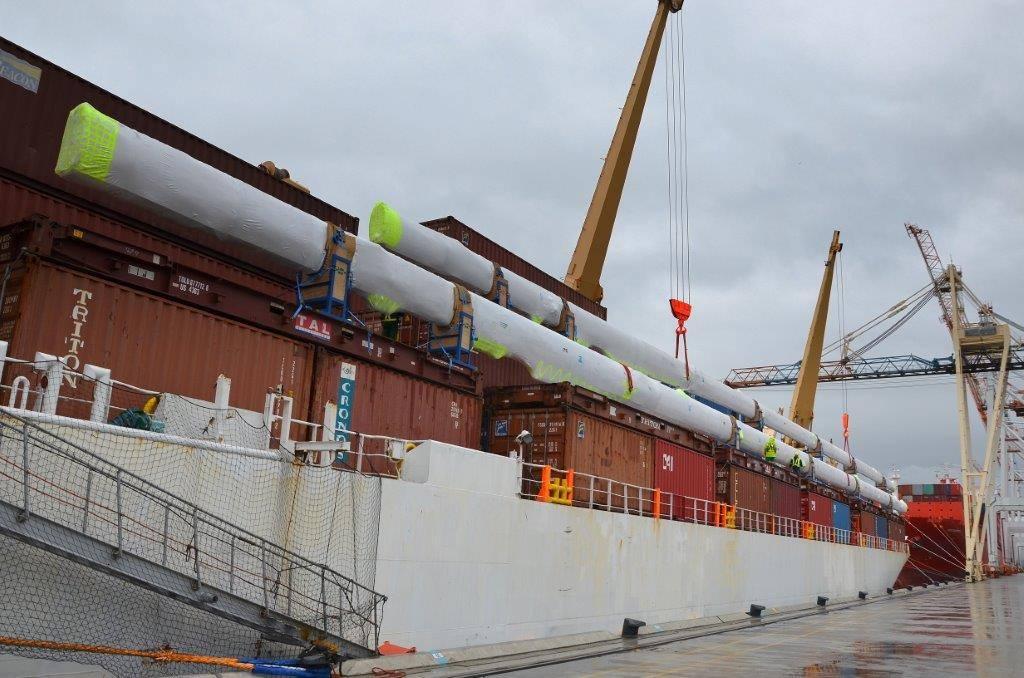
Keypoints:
pixel 802 117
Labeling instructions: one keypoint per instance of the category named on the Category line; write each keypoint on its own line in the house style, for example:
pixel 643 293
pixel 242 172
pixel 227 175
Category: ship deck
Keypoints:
pixel 961 630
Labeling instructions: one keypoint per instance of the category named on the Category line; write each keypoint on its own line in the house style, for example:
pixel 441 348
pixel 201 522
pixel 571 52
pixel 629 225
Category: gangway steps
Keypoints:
pixel 68 501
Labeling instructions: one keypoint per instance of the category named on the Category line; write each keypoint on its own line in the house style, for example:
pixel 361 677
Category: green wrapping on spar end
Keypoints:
pixel 89 143
pixel 385 226
pixel 490 347
pixel 384 304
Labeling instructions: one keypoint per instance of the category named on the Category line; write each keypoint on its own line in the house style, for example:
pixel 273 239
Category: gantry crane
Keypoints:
pixel 584 272
pixel 979 348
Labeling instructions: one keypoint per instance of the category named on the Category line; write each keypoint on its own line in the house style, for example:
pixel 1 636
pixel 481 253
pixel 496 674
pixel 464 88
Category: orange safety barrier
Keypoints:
pixel 545 484
pixel 657 503
pixel 808 530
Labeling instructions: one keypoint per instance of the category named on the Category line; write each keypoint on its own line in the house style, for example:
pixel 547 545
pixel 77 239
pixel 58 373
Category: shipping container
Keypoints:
pixel 569 439
pixel 487 248
pixel 882 527
pixel 785 499
pixel 817 508
pixel 897 530
pixel 378 401
pixel 864 522
pixel 34 120
pixel 128 257
pixel 689 476
pixel 578 398
pixel 146 341
pixel 841 520
pixel 36 209
pixel 744 489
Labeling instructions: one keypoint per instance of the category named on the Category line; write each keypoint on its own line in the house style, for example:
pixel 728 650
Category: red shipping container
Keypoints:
pixel 816 508
pixel 689 476
pixel 390 403
pixel 786 500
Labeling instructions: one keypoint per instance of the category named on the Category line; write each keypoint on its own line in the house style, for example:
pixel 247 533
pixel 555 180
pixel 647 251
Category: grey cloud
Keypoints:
pixel 802 117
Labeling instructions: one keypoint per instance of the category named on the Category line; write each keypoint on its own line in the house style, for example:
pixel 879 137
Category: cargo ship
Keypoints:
pixel 934 532
pixel 223 437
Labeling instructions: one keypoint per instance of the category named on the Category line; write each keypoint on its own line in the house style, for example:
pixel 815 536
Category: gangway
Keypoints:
pixel 59 497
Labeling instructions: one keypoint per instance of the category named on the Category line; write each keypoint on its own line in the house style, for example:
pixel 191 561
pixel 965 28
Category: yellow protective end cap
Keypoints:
pixel 385 226
pixel 90 139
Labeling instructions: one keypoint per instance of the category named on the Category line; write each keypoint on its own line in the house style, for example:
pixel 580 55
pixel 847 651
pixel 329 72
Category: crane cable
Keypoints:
pixel 841 303
pixel 677 170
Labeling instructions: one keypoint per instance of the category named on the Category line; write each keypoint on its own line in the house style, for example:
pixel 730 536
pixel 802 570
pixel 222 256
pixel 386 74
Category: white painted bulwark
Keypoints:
pixel 465 561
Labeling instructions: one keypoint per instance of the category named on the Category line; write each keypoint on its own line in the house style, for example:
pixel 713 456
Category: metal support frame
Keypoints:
pixel 977 484
pixel 327 291
pixel 454 343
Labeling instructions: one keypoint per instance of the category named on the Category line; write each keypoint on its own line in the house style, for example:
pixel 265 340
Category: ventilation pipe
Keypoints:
pixel 147 172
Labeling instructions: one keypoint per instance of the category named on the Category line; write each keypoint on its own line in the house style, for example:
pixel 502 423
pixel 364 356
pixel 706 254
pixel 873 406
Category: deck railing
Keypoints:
pixel 569 488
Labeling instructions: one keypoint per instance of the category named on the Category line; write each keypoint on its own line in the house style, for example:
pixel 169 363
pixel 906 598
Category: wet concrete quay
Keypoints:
pixel 975 629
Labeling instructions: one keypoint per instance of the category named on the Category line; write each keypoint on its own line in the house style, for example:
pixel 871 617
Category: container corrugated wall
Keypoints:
pixel 785 499
pixel 866 523
pixel 817 508
pixel 34 124
pixel 689 476
pixel 568 439
pixel 491 250
pixel 743 489
pixel 882 527
pixel 19 202
pixel 147 341
pixel 389 403
pixel 840 515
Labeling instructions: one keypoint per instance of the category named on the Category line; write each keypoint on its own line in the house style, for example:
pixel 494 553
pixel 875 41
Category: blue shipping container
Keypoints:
pixel 881 527
pixel 840 518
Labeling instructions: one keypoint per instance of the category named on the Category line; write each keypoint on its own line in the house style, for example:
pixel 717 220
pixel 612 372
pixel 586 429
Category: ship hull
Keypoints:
pixel 465 561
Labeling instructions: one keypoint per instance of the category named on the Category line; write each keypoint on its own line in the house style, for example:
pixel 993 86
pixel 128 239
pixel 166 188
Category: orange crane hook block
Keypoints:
pixel 681 310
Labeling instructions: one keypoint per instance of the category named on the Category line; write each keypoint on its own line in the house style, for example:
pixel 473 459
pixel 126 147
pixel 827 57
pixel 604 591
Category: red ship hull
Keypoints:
pixel 935 533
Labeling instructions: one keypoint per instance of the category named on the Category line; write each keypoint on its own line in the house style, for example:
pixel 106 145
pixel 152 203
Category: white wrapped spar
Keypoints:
pixel 375 272
pixel 446 256
pixel 101 152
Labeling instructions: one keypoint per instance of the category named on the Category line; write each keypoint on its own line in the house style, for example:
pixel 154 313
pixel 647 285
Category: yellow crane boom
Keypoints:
pixel 584 272
pixel 801 408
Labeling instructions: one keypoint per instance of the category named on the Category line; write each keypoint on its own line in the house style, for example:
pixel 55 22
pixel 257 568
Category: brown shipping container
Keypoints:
pixel 864 522
pixel 389 403
pixel 786 500
pixel 543 396
pixel 146 341
pixel 897 531
pixel 491 250
pixel 689 476
pixel 569 439
pixel 817 508
pixel 743 489
pixel 34 124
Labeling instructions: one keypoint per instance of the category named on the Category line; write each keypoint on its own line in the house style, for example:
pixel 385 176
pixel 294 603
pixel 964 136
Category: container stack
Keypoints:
pixel 95 279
